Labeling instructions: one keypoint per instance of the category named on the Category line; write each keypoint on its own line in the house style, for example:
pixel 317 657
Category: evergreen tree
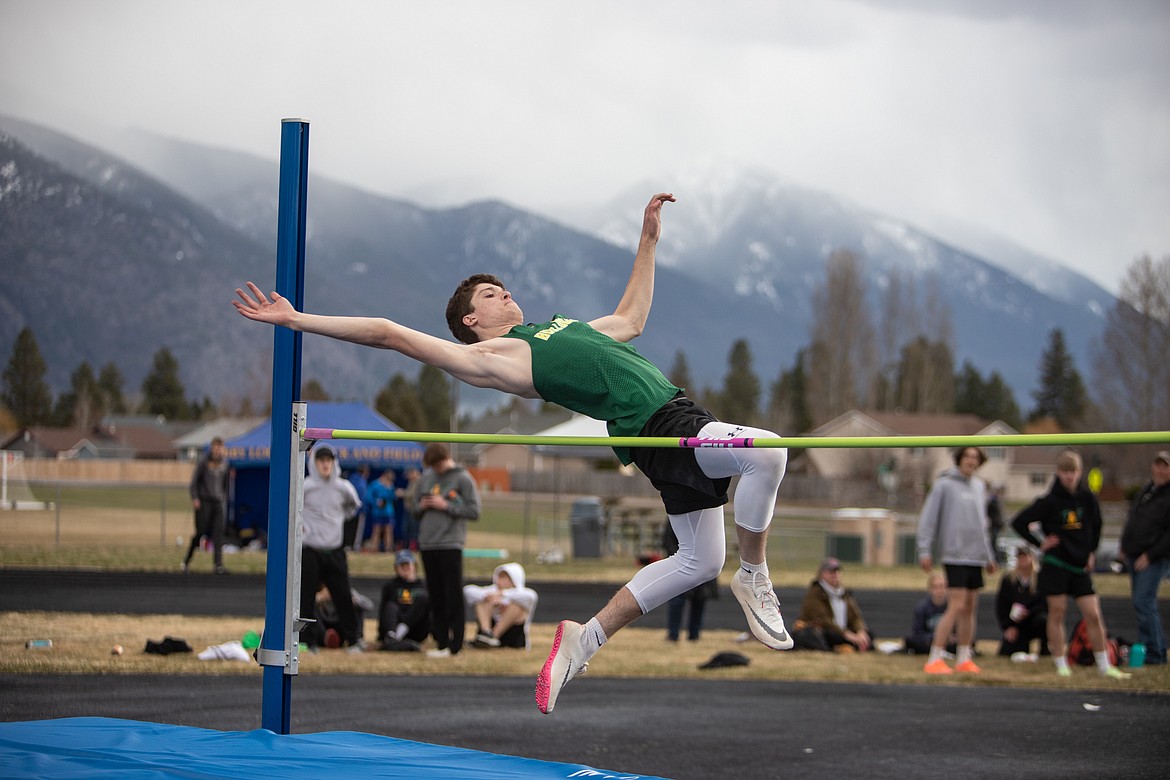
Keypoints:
pixel 1061 395
pixel 990 399
pixel 84 405
pixel 741 386
pixel 399 403
pixel 970 390
pixel 312 390
pixel 788 407
pixel 1001 401
pixel 110 383
pixel 26 394
pixel 162 390
pixel 680 371
pixel 203 410
pixel 434 394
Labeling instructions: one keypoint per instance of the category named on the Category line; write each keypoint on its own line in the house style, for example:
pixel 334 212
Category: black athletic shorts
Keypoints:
pixel 966 577
pixel 1054 580
pixel 674 470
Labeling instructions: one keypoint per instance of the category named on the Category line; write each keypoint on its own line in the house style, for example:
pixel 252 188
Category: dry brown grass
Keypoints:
pixel 82 644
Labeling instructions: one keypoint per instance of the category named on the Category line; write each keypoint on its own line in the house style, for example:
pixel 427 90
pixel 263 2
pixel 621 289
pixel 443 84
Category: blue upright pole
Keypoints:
pixel 278 650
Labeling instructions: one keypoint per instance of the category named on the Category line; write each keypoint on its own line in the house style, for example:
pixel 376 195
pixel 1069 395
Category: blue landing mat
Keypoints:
pixel 114 748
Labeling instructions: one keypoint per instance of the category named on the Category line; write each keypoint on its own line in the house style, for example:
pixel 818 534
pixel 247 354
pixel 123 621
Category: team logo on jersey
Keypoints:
pixel 556 326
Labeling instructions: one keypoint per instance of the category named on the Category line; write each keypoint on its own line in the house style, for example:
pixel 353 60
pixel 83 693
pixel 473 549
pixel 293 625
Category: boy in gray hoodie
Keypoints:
pixel 953 523
pixel 329 499
pixel 445 499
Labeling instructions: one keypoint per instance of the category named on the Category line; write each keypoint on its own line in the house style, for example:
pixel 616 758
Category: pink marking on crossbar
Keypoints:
pixel 693 442
pixel 317 433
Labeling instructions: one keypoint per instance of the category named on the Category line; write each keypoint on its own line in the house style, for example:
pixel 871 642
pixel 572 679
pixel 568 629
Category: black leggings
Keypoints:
pixel 331 568
pixel 444 575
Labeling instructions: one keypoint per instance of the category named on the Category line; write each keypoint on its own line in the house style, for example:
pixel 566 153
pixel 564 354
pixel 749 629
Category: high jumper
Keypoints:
pixel 591 368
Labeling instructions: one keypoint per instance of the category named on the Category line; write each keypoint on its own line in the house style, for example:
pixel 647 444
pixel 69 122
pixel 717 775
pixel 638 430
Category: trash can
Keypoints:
pixel 585 526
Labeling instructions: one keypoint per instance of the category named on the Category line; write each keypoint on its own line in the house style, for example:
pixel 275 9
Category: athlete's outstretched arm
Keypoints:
pixel 629 318
pixel 476 364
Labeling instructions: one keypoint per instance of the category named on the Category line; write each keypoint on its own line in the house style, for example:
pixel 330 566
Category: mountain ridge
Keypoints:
pixel 742 252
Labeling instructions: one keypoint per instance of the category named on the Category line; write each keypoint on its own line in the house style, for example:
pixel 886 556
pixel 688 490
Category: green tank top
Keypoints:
pixel 579 368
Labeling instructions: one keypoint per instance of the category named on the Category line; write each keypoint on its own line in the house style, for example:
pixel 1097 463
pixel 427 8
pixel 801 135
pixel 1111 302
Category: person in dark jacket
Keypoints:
pixel 209 491
pixel 1145 542
pixel 1069 519
pixel 831 608
pixel 926 616
pixel 404 614
pixel 1021 610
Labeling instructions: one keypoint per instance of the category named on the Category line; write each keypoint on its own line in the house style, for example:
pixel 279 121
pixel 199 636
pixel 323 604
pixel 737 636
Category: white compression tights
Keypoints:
pixel 702 545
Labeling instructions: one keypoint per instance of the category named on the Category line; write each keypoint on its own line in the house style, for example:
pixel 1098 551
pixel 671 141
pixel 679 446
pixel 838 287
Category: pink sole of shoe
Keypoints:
pixel 544 681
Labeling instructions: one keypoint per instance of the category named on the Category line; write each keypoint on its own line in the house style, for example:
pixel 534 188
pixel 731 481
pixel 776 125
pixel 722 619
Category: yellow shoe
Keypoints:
pixel 1064 671
pixel 1114 673
pixel 968 667
pixel 938 666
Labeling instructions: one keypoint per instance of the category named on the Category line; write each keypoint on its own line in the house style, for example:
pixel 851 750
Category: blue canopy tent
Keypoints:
pixel 249 456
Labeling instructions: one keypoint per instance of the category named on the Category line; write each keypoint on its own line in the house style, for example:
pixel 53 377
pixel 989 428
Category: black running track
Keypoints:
pixel 708 728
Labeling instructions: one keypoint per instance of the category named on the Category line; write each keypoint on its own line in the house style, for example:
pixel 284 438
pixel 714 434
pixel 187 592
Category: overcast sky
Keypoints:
pixel 1045 122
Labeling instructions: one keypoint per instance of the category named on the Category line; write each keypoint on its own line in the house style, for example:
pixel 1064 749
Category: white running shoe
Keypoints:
pixel 563 664
pixel 762 608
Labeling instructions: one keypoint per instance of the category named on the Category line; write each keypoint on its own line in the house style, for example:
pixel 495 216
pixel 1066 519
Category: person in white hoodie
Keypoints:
pixel 953 526
pixel 502 609
pixel 329 500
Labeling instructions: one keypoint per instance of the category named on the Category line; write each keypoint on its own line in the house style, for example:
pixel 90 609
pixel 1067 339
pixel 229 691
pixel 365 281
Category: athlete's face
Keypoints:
pixel 492 307
pixel 1069 478
pixel 969 462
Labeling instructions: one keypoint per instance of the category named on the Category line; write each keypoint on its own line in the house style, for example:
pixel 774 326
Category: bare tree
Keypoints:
pixel 1131 369
pixel 898 324
pixel 841 352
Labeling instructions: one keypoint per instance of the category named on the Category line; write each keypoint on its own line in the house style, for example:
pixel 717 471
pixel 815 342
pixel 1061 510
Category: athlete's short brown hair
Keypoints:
pixel 460 305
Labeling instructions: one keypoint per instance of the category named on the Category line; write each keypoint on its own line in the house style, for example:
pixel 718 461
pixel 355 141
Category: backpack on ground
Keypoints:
pixel 1080 649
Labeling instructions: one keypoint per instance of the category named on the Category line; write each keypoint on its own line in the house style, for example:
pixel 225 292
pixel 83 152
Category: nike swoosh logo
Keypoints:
pixel 782 636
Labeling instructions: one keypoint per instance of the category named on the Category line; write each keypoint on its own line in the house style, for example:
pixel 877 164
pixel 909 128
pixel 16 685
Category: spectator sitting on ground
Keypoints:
pixel 1021 611
pixel 503 610
pixel 926 615
pixel 831 608
pixel 330 622
pixel 404 616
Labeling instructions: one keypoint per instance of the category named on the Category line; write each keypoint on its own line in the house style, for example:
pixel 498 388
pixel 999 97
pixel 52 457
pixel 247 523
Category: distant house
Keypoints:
pixel 1017 469
pixel 40 441
pixel 191 445
pixel 508 457
pixel 123 438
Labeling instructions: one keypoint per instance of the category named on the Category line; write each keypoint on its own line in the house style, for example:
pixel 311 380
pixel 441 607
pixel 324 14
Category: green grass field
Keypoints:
pixel 133 529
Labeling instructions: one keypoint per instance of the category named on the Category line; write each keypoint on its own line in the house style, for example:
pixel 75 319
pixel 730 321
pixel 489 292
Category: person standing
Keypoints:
pixel 1145 542
pixel 405 524
pixel 1069 520
pixel 379 503
pixel 209 491
pixel 954 521
pixel 446 499
pixel 328 501
pixel 355 524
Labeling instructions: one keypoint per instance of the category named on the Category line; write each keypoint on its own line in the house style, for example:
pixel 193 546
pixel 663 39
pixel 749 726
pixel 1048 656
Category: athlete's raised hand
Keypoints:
pixel 257 306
